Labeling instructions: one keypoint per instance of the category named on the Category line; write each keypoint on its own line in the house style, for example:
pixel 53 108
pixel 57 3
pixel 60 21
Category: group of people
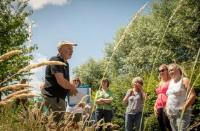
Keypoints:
pixel 172 107
pixel 175 97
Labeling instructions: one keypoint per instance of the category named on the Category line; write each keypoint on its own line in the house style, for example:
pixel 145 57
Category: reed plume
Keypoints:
pixel 43 63
pixel 20 96
pixel 33 66
pixel 16 93
pixel 9 54
pixel 14 87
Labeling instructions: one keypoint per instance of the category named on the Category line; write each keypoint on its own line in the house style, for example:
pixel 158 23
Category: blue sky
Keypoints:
pixel 89 23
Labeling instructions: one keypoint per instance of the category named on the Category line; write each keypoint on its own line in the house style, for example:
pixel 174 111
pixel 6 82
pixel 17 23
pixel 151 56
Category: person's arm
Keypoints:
pixel 98 101
pixel 125 100
pixel 155 110
pixel 191 93
pixel 108 100
pixel 65 83
pixel 144 94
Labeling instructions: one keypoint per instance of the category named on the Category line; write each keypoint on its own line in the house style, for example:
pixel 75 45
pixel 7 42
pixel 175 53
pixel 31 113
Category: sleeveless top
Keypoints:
pixel 176 97
pixel 161 95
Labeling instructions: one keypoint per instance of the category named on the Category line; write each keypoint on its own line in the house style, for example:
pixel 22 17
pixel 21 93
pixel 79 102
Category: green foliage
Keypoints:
pixel 151 124
pixel 14 35
pixel 91 72
pixel 153 39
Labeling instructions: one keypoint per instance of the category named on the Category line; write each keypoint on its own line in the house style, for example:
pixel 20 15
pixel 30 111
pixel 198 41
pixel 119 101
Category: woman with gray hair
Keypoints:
pixel 134 100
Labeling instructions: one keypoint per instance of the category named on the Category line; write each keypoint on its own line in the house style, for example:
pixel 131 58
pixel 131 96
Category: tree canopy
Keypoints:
pixel 14 34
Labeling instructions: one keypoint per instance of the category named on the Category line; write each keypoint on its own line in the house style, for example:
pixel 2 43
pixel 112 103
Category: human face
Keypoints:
pixel 172 71
pixel 138 84
pixel 104 84
pixel 66 51
pixel 163 71
pixel 76 82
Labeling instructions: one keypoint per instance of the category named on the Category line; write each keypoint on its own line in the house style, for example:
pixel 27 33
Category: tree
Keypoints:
pixel 139 47
pixel 91 72
pixel 14 34
pixel 153 39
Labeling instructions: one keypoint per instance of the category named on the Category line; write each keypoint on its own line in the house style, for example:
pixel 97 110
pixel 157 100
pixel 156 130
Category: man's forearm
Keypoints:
pixel 64 83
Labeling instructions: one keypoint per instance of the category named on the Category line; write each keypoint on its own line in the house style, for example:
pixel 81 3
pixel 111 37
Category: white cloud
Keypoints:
pixel 38 4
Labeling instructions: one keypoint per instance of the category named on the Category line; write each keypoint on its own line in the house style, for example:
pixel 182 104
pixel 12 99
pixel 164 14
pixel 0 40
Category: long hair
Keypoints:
pixel 179 68
pixel 164 66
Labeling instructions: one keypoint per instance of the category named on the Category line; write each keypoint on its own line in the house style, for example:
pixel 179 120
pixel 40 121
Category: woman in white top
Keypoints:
pixel 180 99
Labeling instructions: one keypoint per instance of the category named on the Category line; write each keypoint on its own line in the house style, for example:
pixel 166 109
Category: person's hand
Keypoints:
pixel 131 93
pixel 73 90
pixel 101 101
pixel 155 112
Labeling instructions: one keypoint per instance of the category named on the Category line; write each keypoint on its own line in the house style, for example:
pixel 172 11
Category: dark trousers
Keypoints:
pixel 163 120
pixel 103 114
pixel 57 106
pixel 133 121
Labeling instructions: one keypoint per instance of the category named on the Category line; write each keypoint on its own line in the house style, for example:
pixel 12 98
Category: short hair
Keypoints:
pixel 105 80
pixel 139 79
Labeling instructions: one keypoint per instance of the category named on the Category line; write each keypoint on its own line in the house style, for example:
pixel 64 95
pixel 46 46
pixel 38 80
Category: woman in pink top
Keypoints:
pixel 162 98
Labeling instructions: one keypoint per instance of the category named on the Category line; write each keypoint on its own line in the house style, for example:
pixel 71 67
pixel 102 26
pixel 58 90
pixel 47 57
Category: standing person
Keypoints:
pixel 57 85
pixel 162 98
pixel 134 99
pixel 104 99
pixel 180 99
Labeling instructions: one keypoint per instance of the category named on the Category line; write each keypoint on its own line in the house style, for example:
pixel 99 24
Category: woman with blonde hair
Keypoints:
pixel 103 102
pixel 161 100
pixel 134 99
pixel 180 99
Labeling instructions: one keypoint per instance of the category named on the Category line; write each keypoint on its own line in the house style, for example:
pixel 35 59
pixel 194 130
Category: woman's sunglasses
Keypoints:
pixel 162 70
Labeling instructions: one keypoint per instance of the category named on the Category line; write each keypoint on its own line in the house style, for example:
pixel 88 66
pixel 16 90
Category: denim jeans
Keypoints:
pixel 133 121
pixel 103 114
pixel 178 124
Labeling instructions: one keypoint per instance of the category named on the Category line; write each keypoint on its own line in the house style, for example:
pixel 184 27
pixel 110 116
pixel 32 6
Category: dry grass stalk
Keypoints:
pixel 14 87
pixel 9 54
pixel 44 63
pixel 20 96
pixel 16 93
pixel 2 103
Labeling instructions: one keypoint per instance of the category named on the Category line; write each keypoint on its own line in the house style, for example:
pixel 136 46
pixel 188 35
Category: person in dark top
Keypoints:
pixel 57 82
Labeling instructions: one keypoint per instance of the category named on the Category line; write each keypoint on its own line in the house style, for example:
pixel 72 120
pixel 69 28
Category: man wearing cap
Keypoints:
pixel 57 85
